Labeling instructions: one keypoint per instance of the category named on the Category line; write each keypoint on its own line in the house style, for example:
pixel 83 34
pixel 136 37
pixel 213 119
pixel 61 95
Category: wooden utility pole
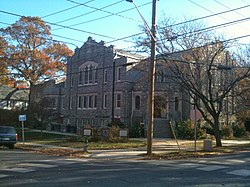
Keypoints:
pixel 151 82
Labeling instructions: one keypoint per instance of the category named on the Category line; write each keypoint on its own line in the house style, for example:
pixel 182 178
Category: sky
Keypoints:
pixel 112 20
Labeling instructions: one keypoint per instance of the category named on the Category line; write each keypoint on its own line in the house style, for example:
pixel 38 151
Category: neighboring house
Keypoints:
pixel 90 99
pixel 53 94
pixel 12 98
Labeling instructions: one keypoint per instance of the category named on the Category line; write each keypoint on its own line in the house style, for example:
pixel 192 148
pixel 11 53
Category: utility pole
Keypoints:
pixel 151 82
pixel 226 78
pixel 151 74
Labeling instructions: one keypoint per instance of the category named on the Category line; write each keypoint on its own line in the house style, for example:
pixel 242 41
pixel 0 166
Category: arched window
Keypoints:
pixel 86 75
pixel 96 74
pixel 80 77
pixel 137 102
pixel 90 74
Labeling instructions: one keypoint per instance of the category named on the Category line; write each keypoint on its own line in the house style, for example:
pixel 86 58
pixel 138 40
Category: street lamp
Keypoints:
pixel 151 74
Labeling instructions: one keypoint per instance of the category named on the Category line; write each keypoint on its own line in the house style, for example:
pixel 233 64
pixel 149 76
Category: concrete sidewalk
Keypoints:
pixel 159 146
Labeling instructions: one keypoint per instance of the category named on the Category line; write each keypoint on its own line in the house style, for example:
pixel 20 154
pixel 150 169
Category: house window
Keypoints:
pixel 105 76
pixel 137 102
pixel 90 101
pixel 95 101
pixel 85 101
pixel 90 75
pixel 80 77
pixel 118 100
pixel 119 74
pixel 79 101
pixel 96 75
pixel 105 101
pixel 86 75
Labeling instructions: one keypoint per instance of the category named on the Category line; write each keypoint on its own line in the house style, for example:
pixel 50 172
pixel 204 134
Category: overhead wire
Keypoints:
pixel 52 14
pixel 103 17
pixel 188 21
pixel 143 32
pixel 88 32
pixel 133 35
pixel 81 4
pixel 102 9
pixel 205 8
pixel 228 7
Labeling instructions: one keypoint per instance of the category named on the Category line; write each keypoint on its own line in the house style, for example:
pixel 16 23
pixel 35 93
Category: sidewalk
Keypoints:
pixel 159 146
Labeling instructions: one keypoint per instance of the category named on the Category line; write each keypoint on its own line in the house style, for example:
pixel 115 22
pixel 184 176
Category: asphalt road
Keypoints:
pixel 20 168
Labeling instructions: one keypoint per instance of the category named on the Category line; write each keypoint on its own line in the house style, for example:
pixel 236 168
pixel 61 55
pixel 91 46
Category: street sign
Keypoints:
pixel 22 117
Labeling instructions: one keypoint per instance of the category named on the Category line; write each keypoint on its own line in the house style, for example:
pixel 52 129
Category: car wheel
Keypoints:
pixel 11 146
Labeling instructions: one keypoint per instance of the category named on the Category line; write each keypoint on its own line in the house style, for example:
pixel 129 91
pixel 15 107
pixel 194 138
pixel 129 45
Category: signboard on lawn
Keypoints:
pixel 22 117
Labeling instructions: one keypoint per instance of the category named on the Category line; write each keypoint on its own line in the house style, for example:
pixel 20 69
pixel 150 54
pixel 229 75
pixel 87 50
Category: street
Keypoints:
pixel 21 168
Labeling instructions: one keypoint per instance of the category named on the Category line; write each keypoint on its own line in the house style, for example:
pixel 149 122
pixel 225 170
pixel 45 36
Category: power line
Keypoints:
pixel 188 21
pixel 215 26
pixel 143 32
pixel 63 26
pixel 65 9
pixel 133 35
pixel 112 14
pixel 102 9
pixel 95 10
pixel 211 15
pixel 227 7
pixel 205 8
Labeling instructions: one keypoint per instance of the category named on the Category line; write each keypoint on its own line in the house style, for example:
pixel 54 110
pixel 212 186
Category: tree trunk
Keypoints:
pixel 217 132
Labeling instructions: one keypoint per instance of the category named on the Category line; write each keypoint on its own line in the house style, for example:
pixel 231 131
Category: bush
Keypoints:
pixel 185 130
pixel 10 117
pixel 95 135
pixel 239 130
pixel 208 128
pixel 114 134
pixel 116 123
pixel 226 131
pixel 136 130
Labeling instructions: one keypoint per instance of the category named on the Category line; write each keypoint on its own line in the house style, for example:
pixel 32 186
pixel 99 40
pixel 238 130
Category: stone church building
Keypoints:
pixel 104 84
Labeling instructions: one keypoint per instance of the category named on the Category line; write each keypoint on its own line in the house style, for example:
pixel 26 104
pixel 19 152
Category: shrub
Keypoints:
pixel 226 131
pixel 239 130
pixel 136 130
pixel 208 128
pixel 95 135
pixel 116 123
pixel 114 134
pixel 185 130
pixel 10 117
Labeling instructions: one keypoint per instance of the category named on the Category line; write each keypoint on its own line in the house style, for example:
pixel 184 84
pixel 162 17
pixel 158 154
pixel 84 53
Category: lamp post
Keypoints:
pixel 151 74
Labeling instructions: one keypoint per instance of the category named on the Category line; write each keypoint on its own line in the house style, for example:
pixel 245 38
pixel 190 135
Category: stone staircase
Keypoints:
pixel 162 128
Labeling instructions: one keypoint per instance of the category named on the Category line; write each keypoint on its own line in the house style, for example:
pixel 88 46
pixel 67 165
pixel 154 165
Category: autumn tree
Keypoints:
pixel 202 63
pixel 30 53
pixel 4 72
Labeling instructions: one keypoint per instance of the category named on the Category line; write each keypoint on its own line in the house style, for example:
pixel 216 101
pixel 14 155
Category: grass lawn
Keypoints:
pixel 74 142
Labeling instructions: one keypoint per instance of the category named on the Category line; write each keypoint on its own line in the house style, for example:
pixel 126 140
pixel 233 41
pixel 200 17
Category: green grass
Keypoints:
pixel 31 136
pixel 74 142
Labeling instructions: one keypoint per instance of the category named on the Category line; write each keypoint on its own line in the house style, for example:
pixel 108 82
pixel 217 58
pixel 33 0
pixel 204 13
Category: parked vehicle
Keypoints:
pixel 8 136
